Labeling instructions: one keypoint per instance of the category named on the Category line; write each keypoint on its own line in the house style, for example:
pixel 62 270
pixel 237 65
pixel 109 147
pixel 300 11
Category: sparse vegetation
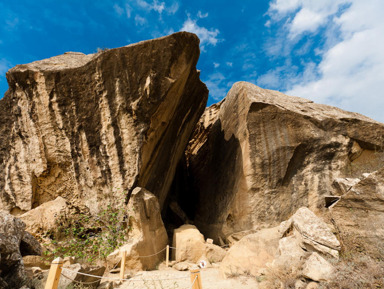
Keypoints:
pixel 90 237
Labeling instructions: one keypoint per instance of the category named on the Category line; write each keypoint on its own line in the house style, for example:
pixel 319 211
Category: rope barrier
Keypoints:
pixel 79 282
pixel 153 254
pixel 115 278
pixel 123 279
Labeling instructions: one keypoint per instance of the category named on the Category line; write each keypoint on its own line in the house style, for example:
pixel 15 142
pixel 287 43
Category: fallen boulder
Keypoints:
pixel 189 243
pixel 294 248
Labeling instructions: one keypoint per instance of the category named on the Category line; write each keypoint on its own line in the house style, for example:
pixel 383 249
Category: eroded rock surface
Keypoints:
pixel 86 127
pixel 297 246
pixel 259 155
pixel 359 216
pixel 147 235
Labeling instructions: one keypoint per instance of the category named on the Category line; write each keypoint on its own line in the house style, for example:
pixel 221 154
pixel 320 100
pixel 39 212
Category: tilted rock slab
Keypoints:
pixel 147 237
pixel 86 127
pixel 259 155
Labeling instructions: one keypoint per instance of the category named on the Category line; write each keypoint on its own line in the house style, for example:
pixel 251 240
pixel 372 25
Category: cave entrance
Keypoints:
pixel 181 204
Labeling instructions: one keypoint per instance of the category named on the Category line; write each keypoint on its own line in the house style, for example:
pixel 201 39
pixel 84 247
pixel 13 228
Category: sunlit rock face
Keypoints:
pixel 259 155
pixel 88 127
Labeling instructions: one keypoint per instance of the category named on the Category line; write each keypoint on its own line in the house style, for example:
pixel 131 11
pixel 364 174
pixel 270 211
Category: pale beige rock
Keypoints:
pixel 312 285
pixel 36 261
pixel 183 266
pixel 343 185
pixel 214 253
pixel 317 268
pixel 189 244
pixel 46 217
pixel 290 254
pixel 259 155
pixel 251 253
pixel 300 284
pixel 81 126
pixel 147 237
pixel 313 232
pixel 359 215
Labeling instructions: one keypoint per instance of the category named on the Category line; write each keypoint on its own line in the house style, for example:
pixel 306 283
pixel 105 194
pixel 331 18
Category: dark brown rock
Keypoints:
pixel 14 242
pixel 87 127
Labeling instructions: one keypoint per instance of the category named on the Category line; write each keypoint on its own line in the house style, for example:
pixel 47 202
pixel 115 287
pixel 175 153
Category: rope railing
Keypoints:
pixel 57 266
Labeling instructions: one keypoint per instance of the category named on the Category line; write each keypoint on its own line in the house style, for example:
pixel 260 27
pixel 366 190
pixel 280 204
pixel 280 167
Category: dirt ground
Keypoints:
pixel 172 279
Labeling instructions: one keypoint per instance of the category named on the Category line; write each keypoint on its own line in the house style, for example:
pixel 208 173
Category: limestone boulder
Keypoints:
pixel 45 217
pixel 252 253
pixel 259 155
pixel 147 236
pixel 294 248
pixel 89 127
pixel 316 268
pixel 13 245
pixel 214 253
pixel 189 243
pixel 312 232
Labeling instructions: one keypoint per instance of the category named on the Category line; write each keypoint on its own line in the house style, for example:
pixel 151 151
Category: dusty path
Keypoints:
pixel 173 279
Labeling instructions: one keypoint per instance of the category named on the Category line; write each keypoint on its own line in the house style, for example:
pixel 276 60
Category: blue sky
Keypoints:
pixel 330 51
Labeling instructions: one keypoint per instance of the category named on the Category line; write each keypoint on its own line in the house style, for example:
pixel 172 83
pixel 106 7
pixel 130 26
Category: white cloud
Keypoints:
pixel 230 64
pixel 202 15
pixel 304 15
pixel 216 65
pixel 140 21
pixel 118 9
pixel 156 6
pixel 173 8
pixel 207 37
pixel 350 72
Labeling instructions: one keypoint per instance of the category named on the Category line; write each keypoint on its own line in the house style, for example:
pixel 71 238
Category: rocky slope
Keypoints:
pixel 259 155
pixel 87 127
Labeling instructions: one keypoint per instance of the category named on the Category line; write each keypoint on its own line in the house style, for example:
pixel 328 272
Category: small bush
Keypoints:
pixel 90 237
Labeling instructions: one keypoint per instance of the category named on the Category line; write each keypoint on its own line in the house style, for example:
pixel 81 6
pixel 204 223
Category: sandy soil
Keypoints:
pixel 173 279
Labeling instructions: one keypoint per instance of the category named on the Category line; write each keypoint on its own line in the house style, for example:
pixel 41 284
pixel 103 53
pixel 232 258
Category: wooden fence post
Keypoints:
pixel 196 284
pixel 122 268
pixel 54 274
pixel 167 257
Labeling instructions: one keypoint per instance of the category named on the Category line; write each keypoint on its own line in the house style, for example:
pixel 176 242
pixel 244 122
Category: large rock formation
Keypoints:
pixel 259 155
pixel 84 127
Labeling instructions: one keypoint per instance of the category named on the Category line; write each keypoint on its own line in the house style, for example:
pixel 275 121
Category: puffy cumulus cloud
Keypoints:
pixel 304 15
pixel 350 69
pixel 207 36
